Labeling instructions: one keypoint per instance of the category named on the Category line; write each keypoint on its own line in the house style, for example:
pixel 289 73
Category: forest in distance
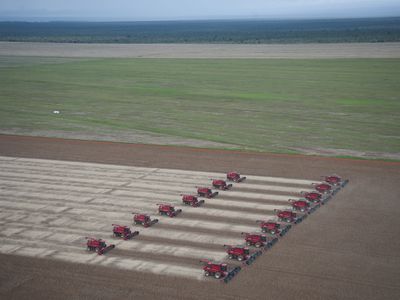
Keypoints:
pixel 371 30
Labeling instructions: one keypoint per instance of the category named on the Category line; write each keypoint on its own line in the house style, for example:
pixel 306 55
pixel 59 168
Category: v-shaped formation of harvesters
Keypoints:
pixel 255 243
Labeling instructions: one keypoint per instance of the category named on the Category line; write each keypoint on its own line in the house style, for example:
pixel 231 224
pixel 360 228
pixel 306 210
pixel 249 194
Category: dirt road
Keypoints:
pixel 306 51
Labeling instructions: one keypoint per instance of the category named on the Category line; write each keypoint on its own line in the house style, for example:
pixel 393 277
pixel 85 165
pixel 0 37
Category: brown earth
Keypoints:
pixel 349 249
pixel 306 51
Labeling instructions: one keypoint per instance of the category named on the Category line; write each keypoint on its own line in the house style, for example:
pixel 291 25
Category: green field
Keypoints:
pixel 262 105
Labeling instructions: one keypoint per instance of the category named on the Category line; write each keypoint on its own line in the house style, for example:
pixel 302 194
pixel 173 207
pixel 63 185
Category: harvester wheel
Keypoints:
pixel 217 275
pixel 230 256
pixel 240 258
pixel 258 245
pixel 206 273
pixel 248 243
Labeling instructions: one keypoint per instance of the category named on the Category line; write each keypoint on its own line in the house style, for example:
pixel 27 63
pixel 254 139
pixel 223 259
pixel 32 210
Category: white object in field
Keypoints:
pixel 56 111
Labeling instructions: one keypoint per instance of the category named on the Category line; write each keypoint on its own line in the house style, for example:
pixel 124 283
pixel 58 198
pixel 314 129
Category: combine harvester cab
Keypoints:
pixel 98 245
pixel 168 210
pixel 315 197
pixel 274 228
pixel 192 200
pixel 259 240
pixel 289 216
pixel 235 177
pixel 219 271
pixel 221 184
pixel 206 192
pixel 124 232
pixel 143 219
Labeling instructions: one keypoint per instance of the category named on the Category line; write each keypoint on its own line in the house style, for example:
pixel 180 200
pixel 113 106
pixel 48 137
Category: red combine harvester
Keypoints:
pixel 123 232
pixel 238 253
pixel 259 240
pixel 274 228
pixel 303 206
pixel 315 197
pixel 235 177
pixel 335 180
pixel 289 216
pixel 242 254
pixel 323 188
pixel 221 184
pixel 206 192
pixel 98 245
pixel 143 219
pixel 192 200
pixel 300 205
pixel 219 270
pixel 168 210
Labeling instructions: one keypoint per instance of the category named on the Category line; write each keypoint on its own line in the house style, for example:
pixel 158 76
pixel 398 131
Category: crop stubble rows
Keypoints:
pixel 48 207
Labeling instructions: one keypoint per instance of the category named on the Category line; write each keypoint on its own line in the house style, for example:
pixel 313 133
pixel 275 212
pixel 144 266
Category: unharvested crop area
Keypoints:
pixel 285 105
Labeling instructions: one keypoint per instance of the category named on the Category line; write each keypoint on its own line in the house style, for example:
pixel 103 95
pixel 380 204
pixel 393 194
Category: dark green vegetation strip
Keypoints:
pixel 232 31
pixel 266 105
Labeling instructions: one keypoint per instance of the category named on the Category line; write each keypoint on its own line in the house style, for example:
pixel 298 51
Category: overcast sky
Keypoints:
pixel 136 10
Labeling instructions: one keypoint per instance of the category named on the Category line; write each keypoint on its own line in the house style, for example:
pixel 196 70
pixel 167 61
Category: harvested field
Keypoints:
pixel 58 201
pixel 50 206
pixel 297 51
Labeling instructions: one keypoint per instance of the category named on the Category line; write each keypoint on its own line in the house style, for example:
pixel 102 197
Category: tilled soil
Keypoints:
pixel 348 249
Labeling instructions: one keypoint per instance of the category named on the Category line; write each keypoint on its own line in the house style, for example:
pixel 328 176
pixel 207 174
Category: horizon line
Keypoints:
pixel 238 18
